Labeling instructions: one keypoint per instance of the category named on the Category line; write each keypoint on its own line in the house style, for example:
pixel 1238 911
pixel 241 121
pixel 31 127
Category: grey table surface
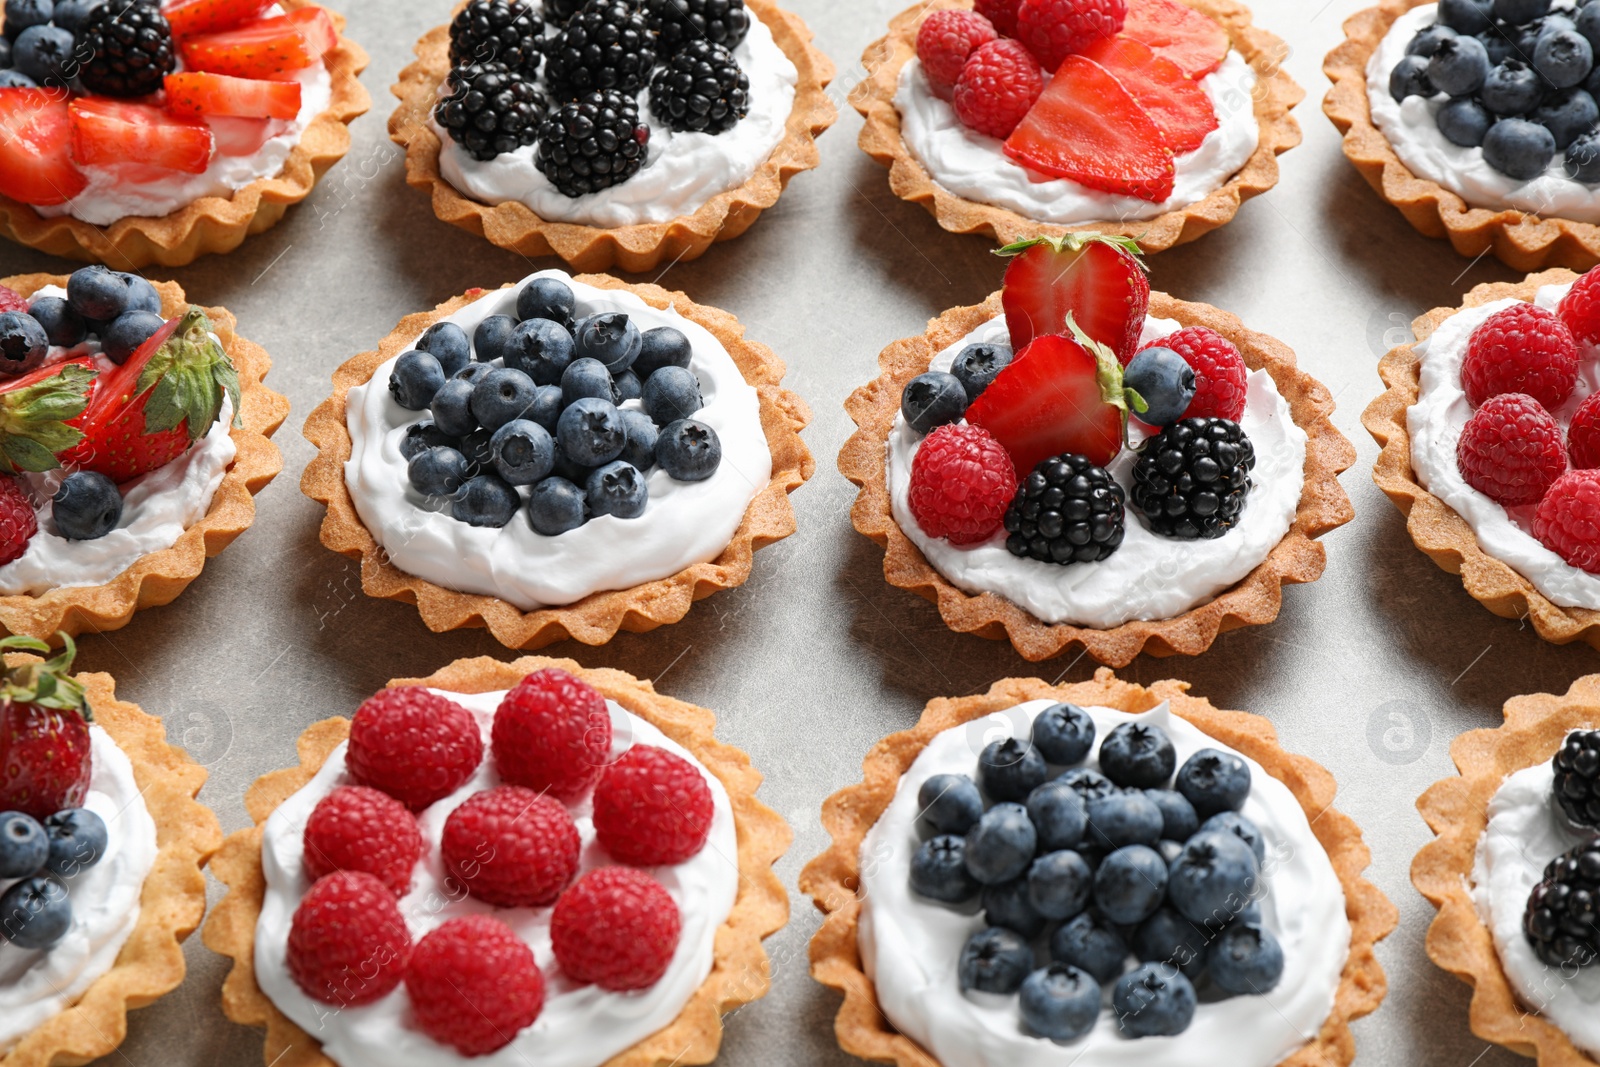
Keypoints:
pixel 1372 670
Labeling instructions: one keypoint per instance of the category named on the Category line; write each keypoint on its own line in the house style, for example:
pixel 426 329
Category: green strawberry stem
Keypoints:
pixel 187 378
pixel 48 684
pixel 1075 242
pixel 34 419
pixel 1108 374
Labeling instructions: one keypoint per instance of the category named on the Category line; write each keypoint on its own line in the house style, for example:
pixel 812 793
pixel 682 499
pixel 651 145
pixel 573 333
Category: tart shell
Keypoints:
pixel 173 900
pixel 641 246
pixel 211 223
pixel 1254 600
pixel 1276 94
pixel 740 971
pixel 833 882
pixel 158 577
pixel 596 618
pixel 1435 526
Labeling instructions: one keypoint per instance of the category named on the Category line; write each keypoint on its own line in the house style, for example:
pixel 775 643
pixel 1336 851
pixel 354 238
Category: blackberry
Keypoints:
pixel 1067 511
pixel 701 89
pixel 606 45
pixel 490 109
pixel 679 22
pixel 1192 478
pixel 1564 908
pixel 129 49
pixel 557 12
pixel 593 143
pixel 1577 785
pixel 497 31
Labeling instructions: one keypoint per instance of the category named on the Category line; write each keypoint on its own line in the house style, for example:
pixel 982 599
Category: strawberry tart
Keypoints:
pixel 139 132
pixel 1145 118
pixel 526 862
pixel 1079 460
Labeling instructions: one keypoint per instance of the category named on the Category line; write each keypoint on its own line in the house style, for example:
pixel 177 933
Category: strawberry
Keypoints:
pixel 196 94
pixel 36 148
pixel 38 412
pixel 1181 34
pixel 208 16
pixel 1086 127
pixel 1174 101
pixel 44 732
pixel 106 131
pixel 265 48
pixel 239 137
pixel 1099 281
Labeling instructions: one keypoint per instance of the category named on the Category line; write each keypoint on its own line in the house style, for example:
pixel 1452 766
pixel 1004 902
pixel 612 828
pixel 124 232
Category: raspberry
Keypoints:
pixel 616 928
pixel 1568 519
pixel 1583 434
pixel 18 521
pixel 552 733
pixel 1001 13
pixel 1511 450
pixel 1580 309
pixel 355 828
pixel 474 985
pixel 997 87
pixel 945 41
pixel 962 482
pixel 1220 375
pixel 414 745
pixel 651 808
pixel 11 300
pixel 1054 29
pixel 348 944
pixel 511 847
pixel 1523 349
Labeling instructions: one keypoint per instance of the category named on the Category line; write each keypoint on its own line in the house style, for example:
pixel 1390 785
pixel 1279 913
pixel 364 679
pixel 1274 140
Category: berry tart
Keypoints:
pixel 135 434
pixel 561 457
pixel 1145 118
pixel 1078 460
pixel 101 849
pixel 524 860
pixel 138 132
pixel 1095 873
pixel 611 132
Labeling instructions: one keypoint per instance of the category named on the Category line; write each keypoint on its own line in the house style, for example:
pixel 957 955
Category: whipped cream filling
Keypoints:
pixel 36 985
pixel 1149 576
pixel 910 945
pixel 682 170
pixel 580 1025
pixel 974 166
pixel 684 523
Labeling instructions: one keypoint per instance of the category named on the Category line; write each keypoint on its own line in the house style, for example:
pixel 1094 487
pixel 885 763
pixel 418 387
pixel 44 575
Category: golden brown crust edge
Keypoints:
pixel 158 577
pixel 595 619
pixel 1254 600
pixel 1275 96
pixel 1435 527
pixel 638 247
pixel 171 904
pixel 741 970
pixel 832 879
pixel 212 223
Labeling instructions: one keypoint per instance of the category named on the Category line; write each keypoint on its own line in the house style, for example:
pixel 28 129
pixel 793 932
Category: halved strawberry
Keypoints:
pixel 1087 128
pixel 262 49
pixel 1178 105
pixel 36 148
pixel 1097 280
pixel 38 412
pixel 1192 41
pixel 106 131
pixel 208 16
pixel 239 137
pixel 198 94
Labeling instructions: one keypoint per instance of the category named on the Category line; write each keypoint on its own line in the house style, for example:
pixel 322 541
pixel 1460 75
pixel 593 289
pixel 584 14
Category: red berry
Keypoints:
pixel 1511 450
pixel 1001 13
pixel 46 761
pixel 414 745
pixel 652 808
pixel 1579 310
pixel 11 300
pixel 1568 519
pixel 474 985
pixel 1220 374
pixel 617 928
pixel 962 481
pixel 944 41
pixel 1522 349
pixel 355 828
pixel 348 944
pixel 18 521
pixel 1583 434
pixel 997 87
pixel 511 847
pixel 552 733
pixel 1055 29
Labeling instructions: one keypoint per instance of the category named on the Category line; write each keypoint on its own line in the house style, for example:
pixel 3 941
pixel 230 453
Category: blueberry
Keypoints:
pixel 1564 57
pixel 539 348
pixel 670 394
pixel 1153 1000
pixel 610 337
pixel 1178 819
pixel 474 372
pixel 1231 822
pixel 640 447
pixel 127 332
pixel 1124 819
pixel 1011 769
pixel 546 298
pixel 1089 943
pixel 500 396
pixel 950 803
pixel 1130 883
pixel 1058 814
pixel 978 364
pixel 1059 884
pixel 1214 876
pixel 1410 78
pixel 485 500
pixel 590 432
pixel 69 14
pixel 87 506
pixel 1517 12
pixel 1567 115
pixel 439 471
pixel 932 400
pixel 1499 47
pixel 15 79
pixel 415 380
pixel 1167 937
pixel 99 293
pixel 421 436
pixel 586 377
pixel 77 841
pixel 664 346
pixel 1588 24
pixel 1513 88
pixel 689 451
pixel 449 345
pixel 939 870
pixel 1518 148
pixel 618 489
pixel 1090 785
pixel 1213 780
pixel 1464 122
pixel 5 51
pixel 576 473
pixel 1138 756
pixel 1582 160
pixel 1059 1002
pixel 555 506
pixel 547 407
pixel 24 14
pixel 523 452
pixel 1164 381
pixel 1460 65
pixel 478 447
pixel 23 344
pixel 1001 845
pixel 1064 734
pixel 1170 850
pixel 35 913
pixel 1426 42
pixel 1007 905
pixel 492 337
pixel 1246 958
pixel 142 296
pixel 24 845
pixel 62 325
pixel 44 53
pixel 452 407
pixel 626 386
pixel 995 960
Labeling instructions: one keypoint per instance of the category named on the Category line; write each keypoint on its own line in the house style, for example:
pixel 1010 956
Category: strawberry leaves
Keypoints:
pixel 34 419
pixel 49 684
pixel 187 378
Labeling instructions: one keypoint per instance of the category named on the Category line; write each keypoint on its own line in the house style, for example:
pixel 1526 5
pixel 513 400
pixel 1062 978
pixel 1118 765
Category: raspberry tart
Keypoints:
pixel 102 846
pixel 611 132
pixel 1094 873
pixel 544 860
pixel 1144 118
pixel 1081 461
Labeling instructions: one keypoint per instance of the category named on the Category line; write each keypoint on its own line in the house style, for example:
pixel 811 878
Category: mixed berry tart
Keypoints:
pixel 527 861
pixel 1095 873
pixel 101 849
pixel 1079 460
pixel 1145 118
pixel 611 132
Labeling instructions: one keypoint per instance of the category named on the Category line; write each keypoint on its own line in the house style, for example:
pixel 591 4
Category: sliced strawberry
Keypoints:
pixel 197 94
pixel 1192 41
pixel 263 49
pixel 1176 102
pixel 39 412
pixel 106 132
pixel 1098 280
pixel 240 137
pixel 36 148
pixel 208 16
